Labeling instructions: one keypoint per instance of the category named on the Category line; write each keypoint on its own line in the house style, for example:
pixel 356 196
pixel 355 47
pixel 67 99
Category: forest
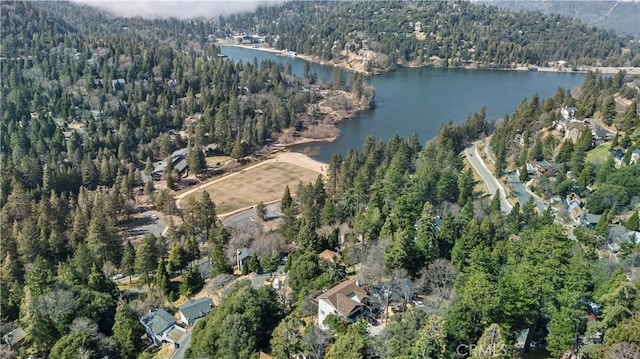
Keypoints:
pixel 89 101
pixel 431 33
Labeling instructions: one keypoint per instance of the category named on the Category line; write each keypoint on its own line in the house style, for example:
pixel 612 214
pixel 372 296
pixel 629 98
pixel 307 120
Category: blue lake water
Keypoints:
pixel 421 99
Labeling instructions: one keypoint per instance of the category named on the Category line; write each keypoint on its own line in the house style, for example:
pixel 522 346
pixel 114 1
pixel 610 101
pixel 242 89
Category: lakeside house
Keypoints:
pixel 568 113
pixel 345 299
pixel 193 310
pixel 161 327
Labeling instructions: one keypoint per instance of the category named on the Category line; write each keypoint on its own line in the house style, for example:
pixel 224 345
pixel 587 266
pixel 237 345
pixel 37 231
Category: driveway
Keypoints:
pixel 143 223
pixel 184 342
pixel 522 192
pixel 248 217
pixel 487 177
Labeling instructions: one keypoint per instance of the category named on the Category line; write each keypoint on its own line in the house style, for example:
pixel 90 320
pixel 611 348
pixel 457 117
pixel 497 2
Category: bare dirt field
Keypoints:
pixel 264 182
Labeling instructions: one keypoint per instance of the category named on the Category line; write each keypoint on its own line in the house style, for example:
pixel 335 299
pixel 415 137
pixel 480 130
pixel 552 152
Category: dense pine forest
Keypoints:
pixel 89 102
pixel 431 33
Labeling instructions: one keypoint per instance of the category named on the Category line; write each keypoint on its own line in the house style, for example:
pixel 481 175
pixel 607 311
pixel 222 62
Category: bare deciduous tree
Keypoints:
pixel 372 266
pixel 624 350
pixel 438 278
pixel 316 341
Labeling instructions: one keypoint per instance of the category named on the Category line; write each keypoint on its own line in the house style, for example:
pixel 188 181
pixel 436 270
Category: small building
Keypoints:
pixel 345 299
pixel 635 156
pixel 590 220
pixel 568 113
pixel 242 256
pixel 330 256
pixel 193 310
pixel 160 326
pixel 14 338
pixel 118 84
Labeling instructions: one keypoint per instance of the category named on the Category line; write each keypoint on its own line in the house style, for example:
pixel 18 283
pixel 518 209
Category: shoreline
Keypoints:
pixel 582 70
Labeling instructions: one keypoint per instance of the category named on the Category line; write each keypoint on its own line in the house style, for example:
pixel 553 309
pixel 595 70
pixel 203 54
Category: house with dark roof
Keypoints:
pixel 345 299
pixel 193 310
pixel 161 327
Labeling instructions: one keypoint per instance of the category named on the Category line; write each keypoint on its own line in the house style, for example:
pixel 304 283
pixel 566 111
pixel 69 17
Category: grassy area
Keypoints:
pixel 262 183
pixel 213 160
pixel 598 156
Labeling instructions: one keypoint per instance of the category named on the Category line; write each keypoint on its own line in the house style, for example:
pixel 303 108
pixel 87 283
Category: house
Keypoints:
pixel 242 257
pixel 193 310
pixel 345 299
pixel 161 327
pixel 573 199
pixel 179 160
pixel 543 167
pixel 618 155
pixel 574 130
pixel 590 220
pixel 118 84
pixel 330 256
pixel 14 338
pixel 568 113
pixel 576 213
pixel 635 157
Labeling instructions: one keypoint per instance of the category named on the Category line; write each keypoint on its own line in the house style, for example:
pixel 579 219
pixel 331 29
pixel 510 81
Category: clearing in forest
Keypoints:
pixel 265 182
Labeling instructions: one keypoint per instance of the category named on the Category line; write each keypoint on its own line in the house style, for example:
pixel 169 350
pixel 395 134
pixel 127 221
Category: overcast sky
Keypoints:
pixel 182 9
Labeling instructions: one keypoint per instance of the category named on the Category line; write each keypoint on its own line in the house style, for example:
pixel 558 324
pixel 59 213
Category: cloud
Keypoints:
pixel 181 9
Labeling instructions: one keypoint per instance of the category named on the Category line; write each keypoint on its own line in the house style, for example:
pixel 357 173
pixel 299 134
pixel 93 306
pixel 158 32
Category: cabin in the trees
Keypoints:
pixel 243 255
pixel 193 310
pixel 161 327
pixel 330 256
pixel 14 338
pixel 345 299
pixel 179 160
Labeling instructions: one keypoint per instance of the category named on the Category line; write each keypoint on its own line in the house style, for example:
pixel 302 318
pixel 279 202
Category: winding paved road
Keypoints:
pixel 493 186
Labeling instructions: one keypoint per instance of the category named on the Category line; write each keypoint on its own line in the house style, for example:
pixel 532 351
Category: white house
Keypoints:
pixel 635 157
pixel 345 299
pixel 193 310
pixel 161 327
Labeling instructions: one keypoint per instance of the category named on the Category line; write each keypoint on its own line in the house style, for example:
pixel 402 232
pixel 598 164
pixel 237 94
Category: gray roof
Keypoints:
pixel 194 309
pixel 14 336
pixel 244 253
pixel 158 320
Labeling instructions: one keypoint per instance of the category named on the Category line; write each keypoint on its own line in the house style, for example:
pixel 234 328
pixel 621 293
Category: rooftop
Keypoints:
pixel 158 320
pixel 345 297
pixel 194 309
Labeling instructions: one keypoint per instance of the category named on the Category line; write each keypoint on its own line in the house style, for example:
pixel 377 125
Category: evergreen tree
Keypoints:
pixel 126 332
pixel 161 278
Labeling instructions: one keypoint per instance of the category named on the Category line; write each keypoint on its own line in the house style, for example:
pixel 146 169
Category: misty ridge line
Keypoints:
pixel 179 9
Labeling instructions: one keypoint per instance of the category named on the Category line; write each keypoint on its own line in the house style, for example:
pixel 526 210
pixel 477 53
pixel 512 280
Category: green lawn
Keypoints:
pixel 599 155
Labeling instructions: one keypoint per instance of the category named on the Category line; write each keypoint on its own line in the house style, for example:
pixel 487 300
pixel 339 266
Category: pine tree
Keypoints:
pixel 161 278
pixel 126 332
pixel 286 200
pixel 633 223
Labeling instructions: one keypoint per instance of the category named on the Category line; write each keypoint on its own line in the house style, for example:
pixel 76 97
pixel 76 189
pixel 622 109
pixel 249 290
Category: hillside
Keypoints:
pixel 621 16
pixel 383 35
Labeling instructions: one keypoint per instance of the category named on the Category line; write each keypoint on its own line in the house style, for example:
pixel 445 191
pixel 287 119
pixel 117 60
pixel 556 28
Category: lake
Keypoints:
pixel 421 99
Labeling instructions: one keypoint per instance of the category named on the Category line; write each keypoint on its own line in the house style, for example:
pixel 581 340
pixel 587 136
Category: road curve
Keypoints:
pixel 492 184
